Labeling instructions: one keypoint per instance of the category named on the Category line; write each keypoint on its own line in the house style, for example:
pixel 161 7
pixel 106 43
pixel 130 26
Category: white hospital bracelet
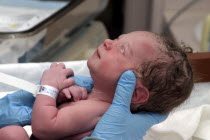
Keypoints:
pixel 48 90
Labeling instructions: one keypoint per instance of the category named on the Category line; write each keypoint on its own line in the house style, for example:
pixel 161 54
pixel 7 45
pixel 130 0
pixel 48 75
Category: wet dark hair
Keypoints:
pixel 169 78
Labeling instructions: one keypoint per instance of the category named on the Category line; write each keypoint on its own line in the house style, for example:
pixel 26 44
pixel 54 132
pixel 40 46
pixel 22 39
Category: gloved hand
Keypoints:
pixel 118 123
pixel 16 108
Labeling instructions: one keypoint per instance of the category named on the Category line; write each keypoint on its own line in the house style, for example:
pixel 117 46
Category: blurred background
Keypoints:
pixel 66 30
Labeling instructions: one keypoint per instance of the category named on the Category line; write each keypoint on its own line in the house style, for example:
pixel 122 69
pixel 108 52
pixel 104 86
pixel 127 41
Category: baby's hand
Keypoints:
pixel 56 75
pixel 73 92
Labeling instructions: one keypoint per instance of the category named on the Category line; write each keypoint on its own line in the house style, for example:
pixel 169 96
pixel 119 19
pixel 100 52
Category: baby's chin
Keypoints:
pixel 89 62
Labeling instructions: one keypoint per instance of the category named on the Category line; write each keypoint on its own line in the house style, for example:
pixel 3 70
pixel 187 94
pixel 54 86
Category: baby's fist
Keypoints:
pixel 73 92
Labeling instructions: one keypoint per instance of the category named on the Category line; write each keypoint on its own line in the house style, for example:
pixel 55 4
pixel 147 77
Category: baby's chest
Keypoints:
pixel 87 113
pixel 95 107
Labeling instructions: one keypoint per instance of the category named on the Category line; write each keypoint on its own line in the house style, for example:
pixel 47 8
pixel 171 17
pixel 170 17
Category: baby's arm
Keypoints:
pixel 72 93
pixel 78 117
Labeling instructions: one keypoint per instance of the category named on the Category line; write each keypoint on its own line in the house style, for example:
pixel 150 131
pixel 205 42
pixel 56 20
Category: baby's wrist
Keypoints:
pixel 48 90
pixel 51 84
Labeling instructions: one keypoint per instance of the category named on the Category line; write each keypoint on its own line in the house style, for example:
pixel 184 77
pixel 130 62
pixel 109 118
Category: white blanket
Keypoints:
pixel 189 124
pixel 32 72
pixel 190 121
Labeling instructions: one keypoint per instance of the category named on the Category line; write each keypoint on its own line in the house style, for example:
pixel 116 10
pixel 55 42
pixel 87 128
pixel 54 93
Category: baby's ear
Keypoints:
pixel 141 93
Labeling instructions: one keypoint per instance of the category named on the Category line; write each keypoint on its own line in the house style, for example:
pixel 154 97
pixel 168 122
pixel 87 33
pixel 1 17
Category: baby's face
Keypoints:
pixel 127 52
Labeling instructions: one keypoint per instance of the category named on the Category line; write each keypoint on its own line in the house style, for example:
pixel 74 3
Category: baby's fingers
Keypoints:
pixel 78 93
pixel 84 93
pixel 67 93
pixel 75 92
pixel 63 96
pixel 67 83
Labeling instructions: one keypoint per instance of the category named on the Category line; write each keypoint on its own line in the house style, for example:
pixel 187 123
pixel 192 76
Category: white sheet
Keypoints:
pixel 189 124
pixel 190 121
pixel 32 71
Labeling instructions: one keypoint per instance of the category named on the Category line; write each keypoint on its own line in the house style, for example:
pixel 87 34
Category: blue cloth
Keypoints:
pixel 118 123
pixel 16 108
pixel 84 81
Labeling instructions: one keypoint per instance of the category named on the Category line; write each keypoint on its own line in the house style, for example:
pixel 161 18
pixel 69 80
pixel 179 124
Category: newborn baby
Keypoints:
pixel 164 81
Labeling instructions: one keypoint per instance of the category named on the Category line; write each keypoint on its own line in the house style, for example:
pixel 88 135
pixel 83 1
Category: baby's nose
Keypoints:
pixel 108 44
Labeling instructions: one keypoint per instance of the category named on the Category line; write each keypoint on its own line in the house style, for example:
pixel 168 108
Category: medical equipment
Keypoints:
pixel 177 14
pixel 34 30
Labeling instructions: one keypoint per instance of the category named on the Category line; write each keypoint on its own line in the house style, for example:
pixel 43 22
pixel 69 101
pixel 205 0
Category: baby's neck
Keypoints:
pixel 100 95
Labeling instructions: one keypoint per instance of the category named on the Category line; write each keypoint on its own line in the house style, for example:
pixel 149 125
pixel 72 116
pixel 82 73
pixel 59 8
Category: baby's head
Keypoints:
pixel 168 78
pixel 164 76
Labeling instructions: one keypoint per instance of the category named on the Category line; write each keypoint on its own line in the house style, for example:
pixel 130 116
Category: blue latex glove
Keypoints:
pixel 118 123
pixel 16 108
